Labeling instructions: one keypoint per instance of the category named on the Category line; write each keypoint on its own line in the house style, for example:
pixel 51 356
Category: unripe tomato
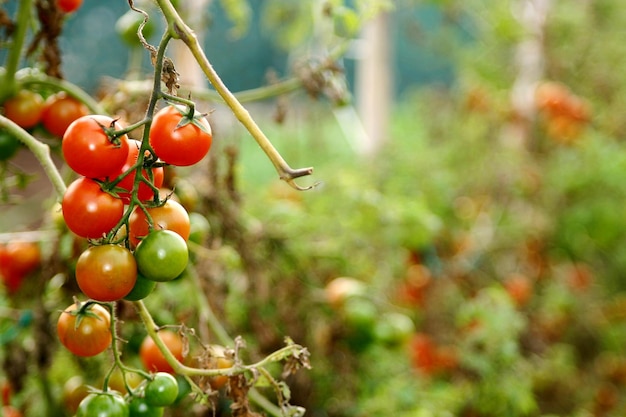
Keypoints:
pixel 128 24
pixel 162 255
pixel 109 404
pixel 106 272
pixel 25 108
pixel 162 390
pixel 9 145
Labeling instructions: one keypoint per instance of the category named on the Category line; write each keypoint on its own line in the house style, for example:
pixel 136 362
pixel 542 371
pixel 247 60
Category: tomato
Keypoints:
pixel 10 411
pixel 106 404
pixel 88 211
pixel 393 328
pixel 89 151
pixel 162 390
pixel 9 145
pixel 143 288
pixel 74 391
pixel 145 192
pixel 116 381
pixel 152 358
pixel 69 6
pixel 25 108
pixel 179 145
pixel 128 24
pixel 162 255
pixel 87 332
pixel 59 111
pixel 170 216
pixel 17 260
pixel 139 407
pixel 106 272
pixel 199 229
pixel 219 360
pixel 340 289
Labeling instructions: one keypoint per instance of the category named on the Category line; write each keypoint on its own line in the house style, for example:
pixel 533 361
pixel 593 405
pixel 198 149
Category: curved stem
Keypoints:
pixel 41 152
pixel 182 31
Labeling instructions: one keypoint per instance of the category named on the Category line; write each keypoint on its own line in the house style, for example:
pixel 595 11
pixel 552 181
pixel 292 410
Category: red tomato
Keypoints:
pixel 89 151
pixel 69 6
pixel 85 333
pixel 88 211
pixel 59 111
pixel 179 145
pixel 152 358
pixel 106 272
pixel 17 260
pixel 145 192
pixel 24 108
pixel 170 216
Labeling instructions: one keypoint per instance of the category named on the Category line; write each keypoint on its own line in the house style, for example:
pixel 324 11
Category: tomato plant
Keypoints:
pixel 145 192
pixel 152 358
pixel 88 211
pixel 69 6
pixel 59 111
pixel 162 255
pixel 88 149
pixel 107 404
pixel 106 272
pixel 25 108
pixel 162 390
pixel 178 139
pixel 85 329
pixel 170 216
pixel 9 145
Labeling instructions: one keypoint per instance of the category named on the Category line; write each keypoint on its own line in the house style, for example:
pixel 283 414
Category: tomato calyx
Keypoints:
pixel 113 134
pixel 190 116
pixel 83 310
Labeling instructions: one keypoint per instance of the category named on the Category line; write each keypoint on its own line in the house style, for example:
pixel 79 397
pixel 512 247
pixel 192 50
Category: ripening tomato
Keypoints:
pixel 89 151
pixel 69 6
pixel 105 404
pixel 88 211
pixel 179 140
pixel 25 108
pixel 218 359
pixel 152 358
pixel 85 331
pixel 170 216
pixel 17 260
pixel 145 192
pixel 106 272
pixel 74 391
pixel 59 111
pixel 162 255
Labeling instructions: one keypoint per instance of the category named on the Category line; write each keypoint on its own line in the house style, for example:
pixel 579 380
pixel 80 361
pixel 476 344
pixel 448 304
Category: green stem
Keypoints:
pixel 181 30
pixel 40 150
pixel 15 53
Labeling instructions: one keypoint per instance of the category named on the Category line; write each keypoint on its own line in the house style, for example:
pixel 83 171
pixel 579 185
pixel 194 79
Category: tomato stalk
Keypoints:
pixel 40 150
pixel 179 29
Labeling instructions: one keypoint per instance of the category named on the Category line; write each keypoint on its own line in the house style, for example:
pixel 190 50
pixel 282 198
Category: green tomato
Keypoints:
pixel 162 255
pixel 143 288
pixel 128 24
pixel 8 145
pixel 102 405
pixel 199 228
pixel 394 328
pixel 139 407
pixel 162 390
pixel 184 388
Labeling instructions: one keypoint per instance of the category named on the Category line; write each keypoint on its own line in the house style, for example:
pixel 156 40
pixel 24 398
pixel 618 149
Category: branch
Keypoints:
pixel 41 152
pixel 180 30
